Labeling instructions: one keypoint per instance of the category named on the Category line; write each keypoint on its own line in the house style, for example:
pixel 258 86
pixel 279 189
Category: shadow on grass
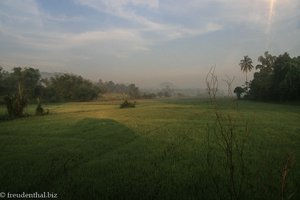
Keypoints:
pixel 54 162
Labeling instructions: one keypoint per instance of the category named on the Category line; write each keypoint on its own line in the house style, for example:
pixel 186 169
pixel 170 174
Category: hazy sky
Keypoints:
pixel 146 41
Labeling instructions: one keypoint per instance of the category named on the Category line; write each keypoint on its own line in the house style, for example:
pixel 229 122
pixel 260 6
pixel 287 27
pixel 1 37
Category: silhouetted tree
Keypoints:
pixel 238 91
pixel 278 78
pixel 266 62
pixel 246 66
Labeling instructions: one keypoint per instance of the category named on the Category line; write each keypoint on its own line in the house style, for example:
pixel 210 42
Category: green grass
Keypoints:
pixel 154 151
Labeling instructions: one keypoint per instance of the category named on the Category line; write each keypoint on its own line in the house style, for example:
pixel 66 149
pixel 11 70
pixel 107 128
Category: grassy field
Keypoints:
pixel 157 150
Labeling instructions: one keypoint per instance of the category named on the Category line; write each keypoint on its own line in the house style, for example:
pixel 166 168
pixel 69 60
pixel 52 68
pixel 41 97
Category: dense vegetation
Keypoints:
pixel 59 88
pixel 277 79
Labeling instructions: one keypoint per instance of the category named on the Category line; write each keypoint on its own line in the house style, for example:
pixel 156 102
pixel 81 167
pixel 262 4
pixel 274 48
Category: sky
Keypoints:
pixel 146 42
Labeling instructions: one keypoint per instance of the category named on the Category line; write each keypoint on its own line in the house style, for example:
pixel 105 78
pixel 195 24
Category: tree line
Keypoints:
pixel 277 78
pixel 59 88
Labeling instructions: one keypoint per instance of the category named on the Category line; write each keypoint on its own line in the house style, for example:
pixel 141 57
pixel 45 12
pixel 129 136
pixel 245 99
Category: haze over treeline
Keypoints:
pixel 277 79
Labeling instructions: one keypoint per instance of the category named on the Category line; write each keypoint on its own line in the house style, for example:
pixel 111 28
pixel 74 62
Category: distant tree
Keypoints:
pixel 148 96
pixel 246 66
pixel 69 87
pixel 101 86
pixel 239 91
pixel 133 91
pixel 61 87
pixel 167 89
pixel 110 87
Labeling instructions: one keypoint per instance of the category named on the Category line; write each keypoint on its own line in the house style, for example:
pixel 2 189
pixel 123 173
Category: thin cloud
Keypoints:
pixel 164 31
pixel 126 39
pixel 109 35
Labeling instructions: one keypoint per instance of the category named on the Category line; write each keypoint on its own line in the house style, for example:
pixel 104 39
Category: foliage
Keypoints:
pixel 246 65
pixel 133 91
pixel 127 104
pixel 68 87
pixel 18 87
pixel 15 104
pixel 110 87
pixel 278 78
pixel 27 78
pixel 39 109
pixel 61 87
pixel 166 91
pixel 2 82
pixel 239 91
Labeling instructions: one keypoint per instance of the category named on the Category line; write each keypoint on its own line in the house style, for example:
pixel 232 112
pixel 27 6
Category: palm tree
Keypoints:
pixel 246 65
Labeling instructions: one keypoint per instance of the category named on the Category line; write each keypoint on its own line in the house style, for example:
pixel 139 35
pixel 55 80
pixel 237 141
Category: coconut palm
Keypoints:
pixel 246 65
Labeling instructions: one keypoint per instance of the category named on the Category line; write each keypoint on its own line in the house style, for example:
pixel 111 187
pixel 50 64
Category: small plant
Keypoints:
pixel 127 104
pixel 39 109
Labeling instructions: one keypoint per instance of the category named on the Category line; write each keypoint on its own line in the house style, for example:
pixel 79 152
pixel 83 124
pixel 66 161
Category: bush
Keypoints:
pixel 40 110
pixel 127 104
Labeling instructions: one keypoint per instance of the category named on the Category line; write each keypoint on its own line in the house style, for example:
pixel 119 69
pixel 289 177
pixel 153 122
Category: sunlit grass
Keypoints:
pixel 154 151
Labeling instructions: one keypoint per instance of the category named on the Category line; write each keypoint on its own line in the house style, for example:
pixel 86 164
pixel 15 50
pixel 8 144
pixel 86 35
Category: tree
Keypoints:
pixel 19 87
pixel 285 78
pixel 246 65
pixel 239 91
pixel 69 87
pixel 2 82
pixel 25 78
pixel 266 62
pixel 278 78
pixel 133 91
pixel 260 86
pixel 167 89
